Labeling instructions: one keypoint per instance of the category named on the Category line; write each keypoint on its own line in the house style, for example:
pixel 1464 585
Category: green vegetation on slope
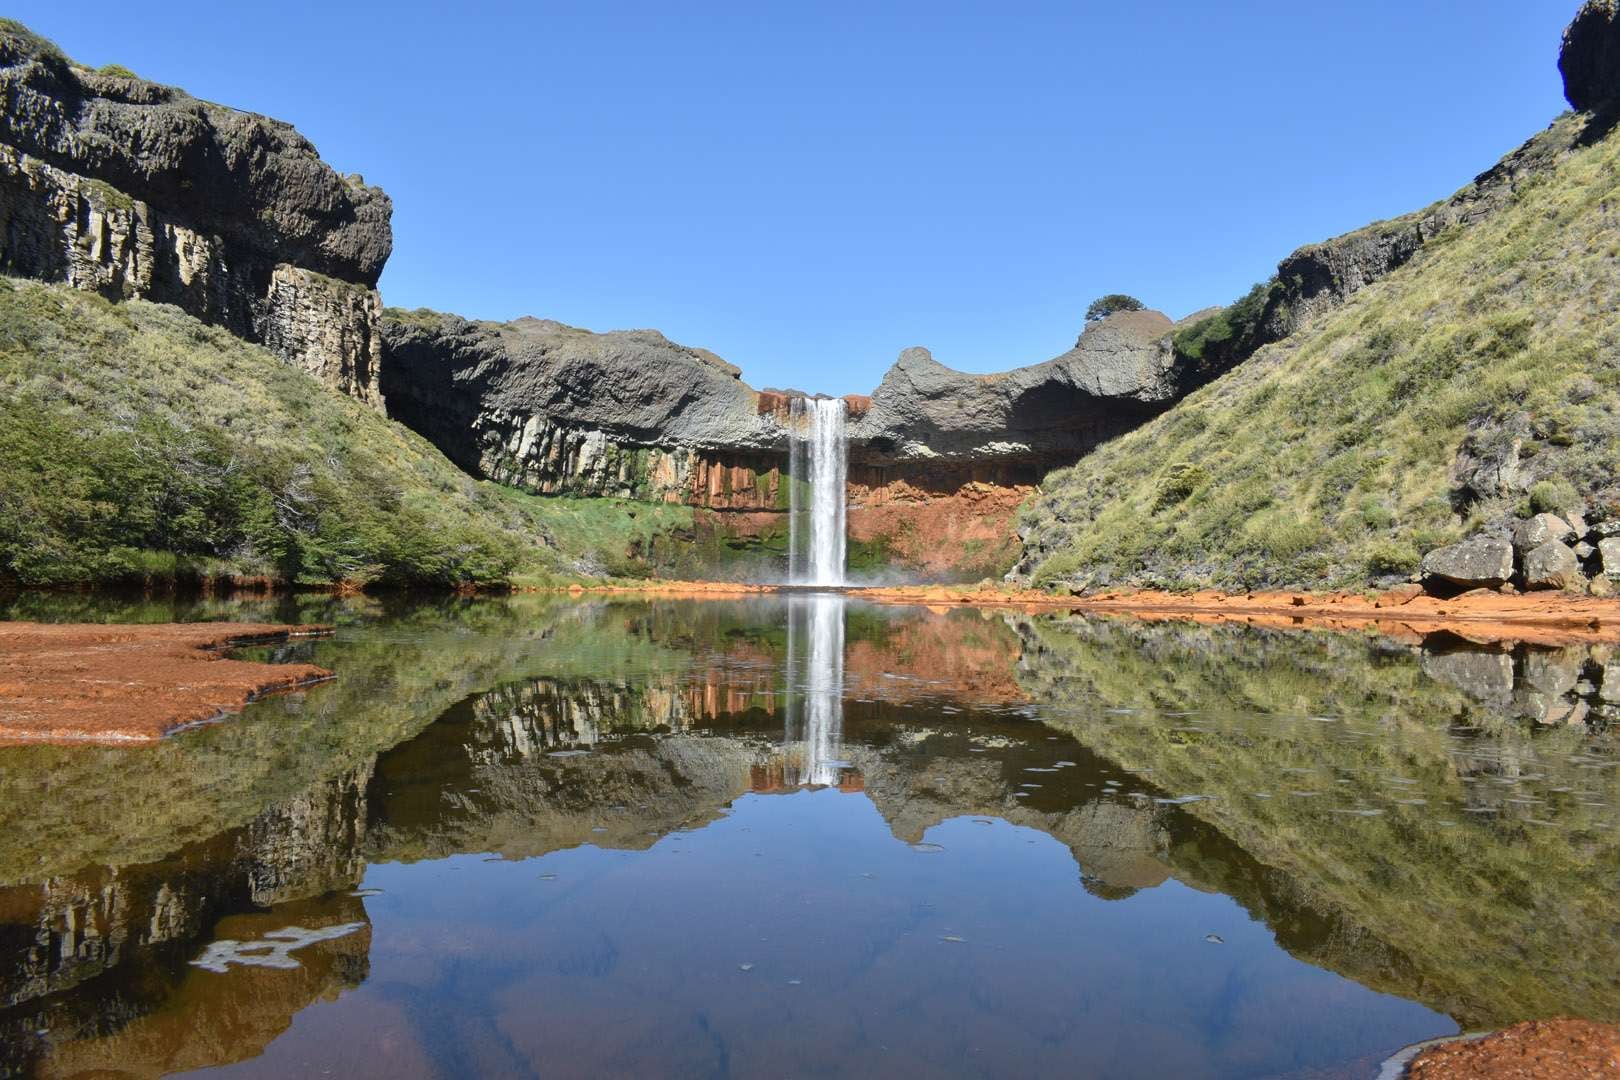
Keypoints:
pixel 1327 459
pixel 138 444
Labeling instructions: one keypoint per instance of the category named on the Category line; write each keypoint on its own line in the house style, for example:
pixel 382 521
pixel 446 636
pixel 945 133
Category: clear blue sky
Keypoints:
pixel 807 189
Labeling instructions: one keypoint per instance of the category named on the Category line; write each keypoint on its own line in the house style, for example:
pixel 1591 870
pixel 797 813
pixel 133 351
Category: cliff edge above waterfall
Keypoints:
pixel 497 397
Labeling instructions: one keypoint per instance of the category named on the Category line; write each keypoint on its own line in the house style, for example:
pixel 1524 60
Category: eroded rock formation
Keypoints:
pixel 1590 57
pixel 559 410
pixel 132 189
pixel 1116 376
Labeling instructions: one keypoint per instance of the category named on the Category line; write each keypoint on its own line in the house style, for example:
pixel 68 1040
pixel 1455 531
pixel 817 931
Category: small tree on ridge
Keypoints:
pixel 1112 304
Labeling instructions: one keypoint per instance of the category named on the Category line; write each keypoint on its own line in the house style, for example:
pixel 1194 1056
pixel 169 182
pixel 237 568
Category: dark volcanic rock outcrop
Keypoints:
pixel 556 409
pixel 1116 376
pixel 1590 58
pixel 132 189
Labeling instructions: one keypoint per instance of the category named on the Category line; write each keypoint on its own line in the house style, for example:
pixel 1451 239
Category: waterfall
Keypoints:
pixel 818 458
pixel 815 672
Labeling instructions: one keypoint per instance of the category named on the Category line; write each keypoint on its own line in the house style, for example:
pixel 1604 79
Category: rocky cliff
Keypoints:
pixel 1590 58
pixel 935 455
pixel 132 189
pixel 559 410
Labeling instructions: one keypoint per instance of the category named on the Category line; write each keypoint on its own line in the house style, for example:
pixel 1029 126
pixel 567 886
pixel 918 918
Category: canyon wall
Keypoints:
pixel 131 189
pixel 939 459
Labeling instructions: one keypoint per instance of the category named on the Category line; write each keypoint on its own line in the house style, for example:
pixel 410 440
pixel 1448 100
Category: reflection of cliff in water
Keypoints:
pixel 94 966
pixel 1428 818
pixel 1508 855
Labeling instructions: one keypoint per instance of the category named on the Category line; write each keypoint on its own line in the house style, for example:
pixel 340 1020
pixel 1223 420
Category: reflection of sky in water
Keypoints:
pixel 632 963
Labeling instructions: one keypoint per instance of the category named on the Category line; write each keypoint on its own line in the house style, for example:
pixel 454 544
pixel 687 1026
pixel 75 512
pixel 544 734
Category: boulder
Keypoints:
pixel 1590 58
pixel 1541 529
pixel 1609 555
pixel 1551 566
pixel 1483 562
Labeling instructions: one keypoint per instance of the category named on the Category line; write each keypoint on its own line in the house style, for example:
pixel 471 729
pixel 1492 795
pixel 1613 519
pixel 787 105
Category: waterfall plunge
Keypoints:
pixel 818 456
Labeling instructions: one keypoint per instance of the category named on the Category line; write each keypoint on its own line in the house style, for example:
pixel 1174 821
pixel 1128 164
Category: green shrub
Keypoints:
pixel 1178 483
pixel 1391 557
pixel 1554 496
pixel 1229 330
pixel 118 70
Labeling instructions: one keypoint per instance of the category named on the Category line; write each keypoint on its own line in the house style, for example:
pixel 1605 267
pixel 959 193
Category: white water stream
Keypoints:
pixel 819 459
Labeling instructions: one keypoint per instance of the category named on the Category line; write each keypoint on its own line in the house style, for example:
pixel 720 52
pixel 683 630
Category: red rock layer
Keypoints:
pixel 101 683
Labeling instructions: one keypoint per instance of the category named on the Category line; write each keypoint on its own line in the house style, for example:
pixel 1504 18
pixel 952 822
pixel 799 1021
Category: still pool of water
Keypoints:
pixel 810 837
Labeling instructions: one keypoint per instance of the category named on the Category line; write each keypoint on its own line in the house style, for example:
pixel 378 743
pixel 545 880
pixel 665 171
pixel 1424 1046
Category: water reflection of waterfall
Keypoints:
pixel 818 459
pixel 815 673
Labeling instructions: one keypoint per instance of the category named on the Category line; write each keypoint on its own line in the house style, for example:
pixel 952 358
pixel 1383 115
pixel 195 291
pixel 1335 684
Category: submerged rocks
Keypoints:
pixel 1484 676
pixel 1590 57
pixel 1479 563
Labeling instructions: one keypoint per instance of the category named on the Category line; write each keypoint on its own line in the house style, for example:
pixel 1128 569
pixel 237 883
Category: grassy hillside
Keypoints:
pixel 137 444
pixel 1327 459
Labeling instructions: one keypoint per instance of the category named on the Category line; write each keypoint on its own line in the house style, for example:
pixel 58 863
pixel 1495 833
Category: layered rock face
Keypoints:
pixel 558 410
pixel 939 459
pixel 135 190
pixel 555 409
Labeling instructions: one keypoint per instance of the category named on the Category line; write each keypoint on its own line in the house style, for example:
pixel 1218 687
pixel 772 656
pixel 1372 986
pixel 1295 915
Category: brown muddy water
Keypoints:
pixel 803 836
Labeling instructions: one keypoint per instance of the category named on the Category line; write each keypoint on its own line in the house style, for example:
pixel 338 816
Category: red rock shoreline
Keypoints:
pixel 134 683
pixel 1551 618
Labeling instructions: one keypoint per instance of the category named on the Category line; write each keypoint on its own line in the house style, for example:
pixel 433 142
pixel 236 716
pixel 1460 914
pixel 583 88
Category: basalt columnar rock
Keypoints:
pixel 132 189
pixel 559 410
pixel 556 409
